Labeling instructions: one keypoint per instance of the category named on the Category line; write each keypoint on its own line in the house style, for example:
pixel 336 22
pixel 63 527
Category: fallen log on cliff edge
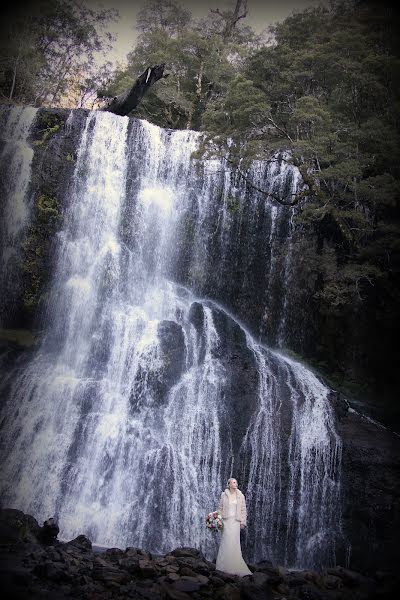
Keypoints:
pixel 130 99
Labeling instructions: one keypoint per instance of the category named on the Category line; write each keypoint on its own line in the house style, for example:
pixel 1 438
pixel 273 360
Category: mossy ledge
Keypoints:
pixel 54 142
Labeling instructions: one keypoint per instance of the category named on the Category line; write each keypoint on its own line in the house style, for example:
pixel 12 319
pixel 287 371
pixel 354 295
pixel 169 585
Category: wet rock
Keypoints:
pixel 52 571
pixel 70 569
pixel 258 579
pixel 130 564
pixel 81 543
pixel 196 316
pixel 228 592
pixel 17 527
pixel 174 594
pixel 171 569
pixel 147 569
pixel 330 582
pixel 217 581
pixel 210 565
pixel 263 565
pixel 187 552
pixel 161 562
pixel 114 554
pixel 203 579
pixel 49 532
pixel 54 555
pixel 187 571
pixel 225 576
pixel 108 573
pixel 240 398
pixel 350 578
pixel 309 592
pixel 187 584
pixel 371 492
pixel 283 588
pixel 194 564
pixel 157 382
pixel 131 551
pixel 253 587
pixel 172 344
pixel 295 579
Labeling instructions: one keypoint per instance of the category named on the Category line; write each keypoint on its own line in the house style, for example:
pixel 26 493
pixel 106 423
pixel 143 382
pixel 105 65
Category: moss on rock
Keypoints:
pixel 35 248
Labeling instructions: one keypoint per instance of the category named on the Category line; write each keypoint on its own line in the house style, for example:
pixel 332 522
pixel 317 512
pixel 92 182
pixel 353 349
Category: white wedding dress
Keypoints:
pixel 230 559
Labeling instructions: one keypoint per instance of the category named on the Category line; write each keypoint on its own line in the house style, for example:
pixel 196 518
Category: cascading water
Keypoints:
pixel 15 170
pixel 133 412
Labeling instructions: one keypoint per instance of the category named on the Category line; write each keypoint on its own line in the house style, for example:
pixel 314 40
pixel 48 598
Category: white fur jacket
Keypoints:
pixel 241 511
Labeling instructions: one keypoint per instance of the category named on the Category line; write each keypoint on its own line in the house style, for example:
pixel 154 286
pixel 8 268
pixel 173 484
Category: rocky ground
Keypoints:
pixel 35 565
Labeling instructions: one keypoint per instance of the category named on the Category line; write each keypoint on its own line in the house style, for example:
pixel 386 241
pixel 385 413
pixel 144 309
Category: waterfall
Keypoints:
pixel 15 171
pixel 143 396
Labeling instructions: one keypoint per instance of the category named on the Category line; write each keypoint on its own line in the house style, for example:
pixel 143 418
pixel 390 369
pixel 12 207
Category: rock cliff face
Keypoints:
pixel 370 490
pixel 243 254
pixel 54 139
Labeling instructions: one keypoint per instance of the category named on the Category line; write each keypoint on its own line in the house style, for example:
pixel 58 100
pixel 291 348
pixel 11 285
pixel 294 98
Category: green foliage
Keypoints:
pixel 167 15
pixel 233 205
pixel 344 285
pixel 243 108
pixel 46 134
pixel 48 124
pixel 47 219
pixel 202 58
pixel 48 51
pixel 47 209
pixel 325 91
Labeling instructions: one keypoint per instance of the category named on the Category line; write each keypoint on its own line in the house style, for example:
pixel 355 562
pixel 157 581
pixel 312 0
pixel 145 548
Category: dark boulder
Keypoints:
pixel 17 527
pixel 187 552
pixel 81 543
pixel 49 532
pixel 370 493
pixel 172 346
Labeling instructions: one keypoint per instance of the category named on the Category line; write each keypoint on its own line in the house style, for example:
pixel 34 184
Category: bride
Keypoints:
pixel 233 509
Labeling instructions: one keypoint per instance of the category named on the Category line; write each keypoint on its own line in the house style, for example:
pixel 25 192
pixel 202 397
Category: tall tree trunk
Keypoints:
pixel 231 19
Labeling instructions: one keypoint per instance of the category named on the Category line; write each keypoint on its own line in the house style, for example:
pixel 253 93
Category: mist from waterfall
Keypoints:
pixel 122 424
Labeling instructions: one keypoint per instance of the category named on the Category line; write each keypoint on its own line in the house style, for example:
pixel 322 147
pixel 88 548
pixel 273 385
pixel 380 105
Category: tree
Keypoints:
pixel 47 46
pixel 324 92
pixel 200 60
pixel 164 15
pixel 231 18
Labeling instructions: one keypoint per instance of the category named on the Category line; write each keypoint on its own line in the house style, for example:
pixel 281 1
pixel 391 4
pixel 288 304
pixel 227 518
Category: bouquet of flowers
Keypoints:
pixel 214 521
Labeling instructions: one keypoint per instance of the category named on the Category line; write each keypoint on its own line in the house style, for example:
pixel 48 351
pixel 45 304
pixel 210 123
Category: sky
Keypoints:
pixel 261 14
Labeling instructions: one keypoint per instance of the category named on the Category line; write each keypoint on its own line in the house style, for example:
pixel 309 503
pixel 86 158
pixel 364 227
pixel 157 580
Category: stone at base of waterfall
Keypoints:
pixel 81 543
pixel 73 569
pixel 17 527
pixel 187 552
pixel 49 532
pixel 254 587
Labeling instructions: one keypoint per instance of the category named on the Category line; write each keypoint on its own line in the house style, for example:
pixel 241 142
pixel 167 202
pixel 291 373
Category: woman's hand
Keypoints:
pixel 242 525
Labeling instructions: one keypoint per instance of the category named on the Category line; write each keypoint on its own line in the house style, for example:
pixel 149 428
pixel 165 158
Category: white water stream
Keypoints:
pixel 116 424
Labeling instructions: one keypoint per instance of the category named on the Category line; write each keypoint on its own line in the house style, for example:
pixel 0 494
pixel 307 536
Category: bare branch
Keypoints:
pixel 231 19
pixel 280 129
pixel 311 189
pixel 216 11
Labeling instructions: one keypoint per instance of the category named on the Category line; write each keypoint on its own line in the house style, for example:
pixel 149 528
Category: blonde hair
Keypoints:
pixel 231 479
